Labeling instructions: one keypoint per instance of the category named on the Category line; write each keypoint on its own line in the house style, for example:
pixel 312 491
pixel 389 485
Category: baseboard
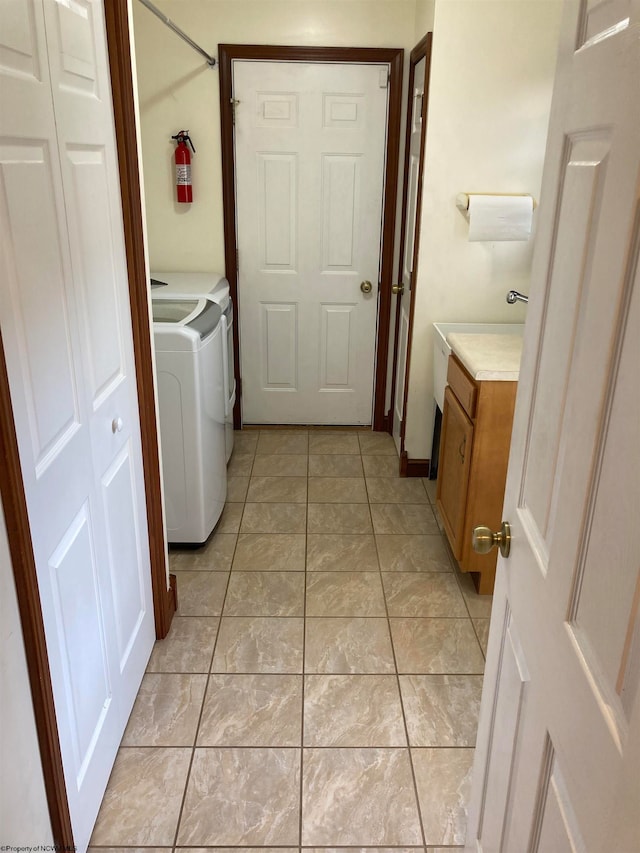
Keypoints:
pixel 413 467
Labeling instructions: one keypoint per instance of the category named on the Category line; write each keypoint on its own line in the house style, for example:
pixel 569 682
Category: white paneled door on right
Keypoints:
pixel 310 144
pixel 558 750
pixel 66 331
pixel 417 106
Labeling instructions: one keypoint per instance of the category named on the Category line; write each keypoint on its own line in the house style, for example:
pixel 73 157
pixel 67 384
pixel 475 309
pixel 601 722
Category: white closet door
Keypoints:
pixel 66 328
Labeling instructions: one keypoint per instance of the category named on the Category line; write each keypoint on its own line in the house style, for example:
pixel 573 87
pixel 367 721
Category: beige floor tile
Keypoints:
pixel 441 710
pixel 335 465
pixel 339 518
pixel 278 490
pixel 142 802
pixel 242 797
pixel 188 646
pixel 482 631
pixel 237 489
pixel 365 850
pixel 265 594
pixel 166 710
pixel 381 466
pixel 344 594
pixel 385 490
pixel 348 645
pixel 368 793
pixel 294 465
pixel 287 441
pixel 346 490
pixel 252 710
pixel 201 593
pixel 413 553
pixel 423 594
pixel 377 444
pixel 334 442
pixel 245 440
pixel 270 552
pixel 425 646
pixel 353 710
pixel 240 464
pixel 274 518
pixel 431 487
pixel 403 518
pixel 259 644
pixel 345 552
pixel 443 778
pixel 479 605
pixel 229 521
pixel 129 849
pixel 214 556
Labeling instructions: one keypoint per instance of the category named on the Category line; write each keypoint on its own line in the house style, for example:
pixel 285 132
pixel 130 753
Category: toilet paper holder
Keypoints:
pixel 462 200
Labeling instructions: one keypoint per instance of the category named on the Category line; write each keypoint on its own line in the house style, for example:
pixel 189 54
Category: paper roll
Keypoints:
pixel 500 217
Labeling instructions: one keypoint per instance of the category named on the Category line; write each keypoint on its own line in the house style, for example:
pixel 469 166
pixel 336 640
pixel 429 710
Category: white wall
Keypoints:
pixel 492 72
pixel 24 814
pixel 178 90
pixel 425 12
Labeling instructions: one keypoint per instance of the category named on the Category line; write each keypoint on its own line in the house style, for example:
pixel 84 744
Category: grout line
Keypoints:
pixel 204 699
pixel 402 708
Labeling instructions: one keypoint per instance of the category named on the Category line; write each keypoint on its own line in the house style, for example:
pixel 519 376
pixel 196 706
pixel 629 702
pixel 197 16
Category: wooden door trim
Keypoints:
pixel 124 113
pixel 421 51
pixel 12 492
pixel 394 56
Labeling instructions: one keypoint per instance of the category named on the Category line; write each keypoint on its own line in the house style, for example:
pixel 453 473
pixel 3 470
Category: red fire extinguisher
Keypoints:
pixel 184 186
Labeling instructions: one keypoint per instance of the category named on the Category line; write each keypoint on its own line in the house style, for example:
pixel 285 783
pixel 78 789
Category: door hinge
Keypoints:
pixel 383 80
pixel 234 103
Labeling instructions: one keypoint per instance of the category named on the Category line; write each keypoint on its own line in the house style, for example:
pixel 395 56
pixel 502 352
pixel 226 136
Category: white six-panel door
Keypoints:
pixel 310 158
pixel 66 328
pixel 411 208
pixel 559 735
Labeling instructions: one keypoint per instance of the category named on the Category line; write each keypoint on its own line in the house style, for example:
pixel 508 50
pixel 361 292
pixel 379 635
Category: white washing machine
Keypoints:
pixel 188 338
pixel 213 286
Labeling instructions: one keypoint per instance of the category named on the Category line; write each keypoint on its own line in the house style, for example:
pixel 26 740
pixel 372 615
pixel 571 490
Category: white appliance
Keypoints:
pixel 213 286
pixel 188 337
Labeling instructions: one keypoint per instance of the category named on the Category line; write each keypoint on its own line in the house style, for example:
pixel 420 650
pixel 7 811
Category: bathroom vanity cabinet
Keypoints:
pixel 474 452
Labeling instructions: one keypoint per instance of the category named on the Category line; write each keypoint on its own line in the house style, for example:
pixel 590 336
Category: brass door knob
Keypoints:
pixel 484 539
pixel 397 288
pixel 366 286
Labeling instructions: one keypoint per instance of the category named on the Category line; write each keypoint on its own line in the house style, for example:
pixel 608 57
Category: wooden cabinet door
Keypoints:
pixel 455 464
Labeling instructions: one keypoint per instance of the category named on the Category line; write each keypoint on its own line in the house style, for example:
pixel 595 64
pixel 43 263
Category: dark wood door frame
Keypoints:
pixel 226 54
pixel 419 468
pixel 12 492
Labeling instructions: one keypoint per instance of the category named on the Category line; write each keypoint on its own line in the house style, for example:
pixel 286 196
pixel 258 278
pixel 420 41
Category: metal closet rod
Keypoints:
pixel 176 29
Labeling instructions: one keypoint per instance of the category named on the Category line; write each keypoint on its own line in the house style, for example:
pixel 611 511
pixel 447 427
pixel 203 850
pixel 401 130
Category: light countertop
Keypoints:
pixel 488 357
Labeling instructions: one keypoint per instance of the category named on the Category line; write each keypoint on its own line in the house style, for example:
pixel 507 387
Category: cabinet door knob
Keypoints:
pixel 116 425
pixel 484 539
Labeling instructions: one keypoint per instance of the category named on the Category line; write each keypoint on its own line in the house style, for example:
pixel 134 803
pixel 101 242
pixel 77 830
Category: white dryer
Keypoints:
pixel 213 286
pixel 188 337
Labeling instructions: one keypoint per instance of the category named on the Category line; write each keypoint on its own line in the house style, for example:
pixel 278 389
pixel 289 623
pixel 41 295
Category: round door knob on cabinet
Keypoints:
pixel 397 288
pixel 366 286
pixel 484 539
pixel 116 425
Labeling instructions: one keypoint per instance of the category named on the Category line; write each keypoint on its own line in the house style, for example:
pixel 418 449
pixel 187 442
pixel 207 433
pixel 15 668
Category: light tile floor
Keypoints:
pixel 321 681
